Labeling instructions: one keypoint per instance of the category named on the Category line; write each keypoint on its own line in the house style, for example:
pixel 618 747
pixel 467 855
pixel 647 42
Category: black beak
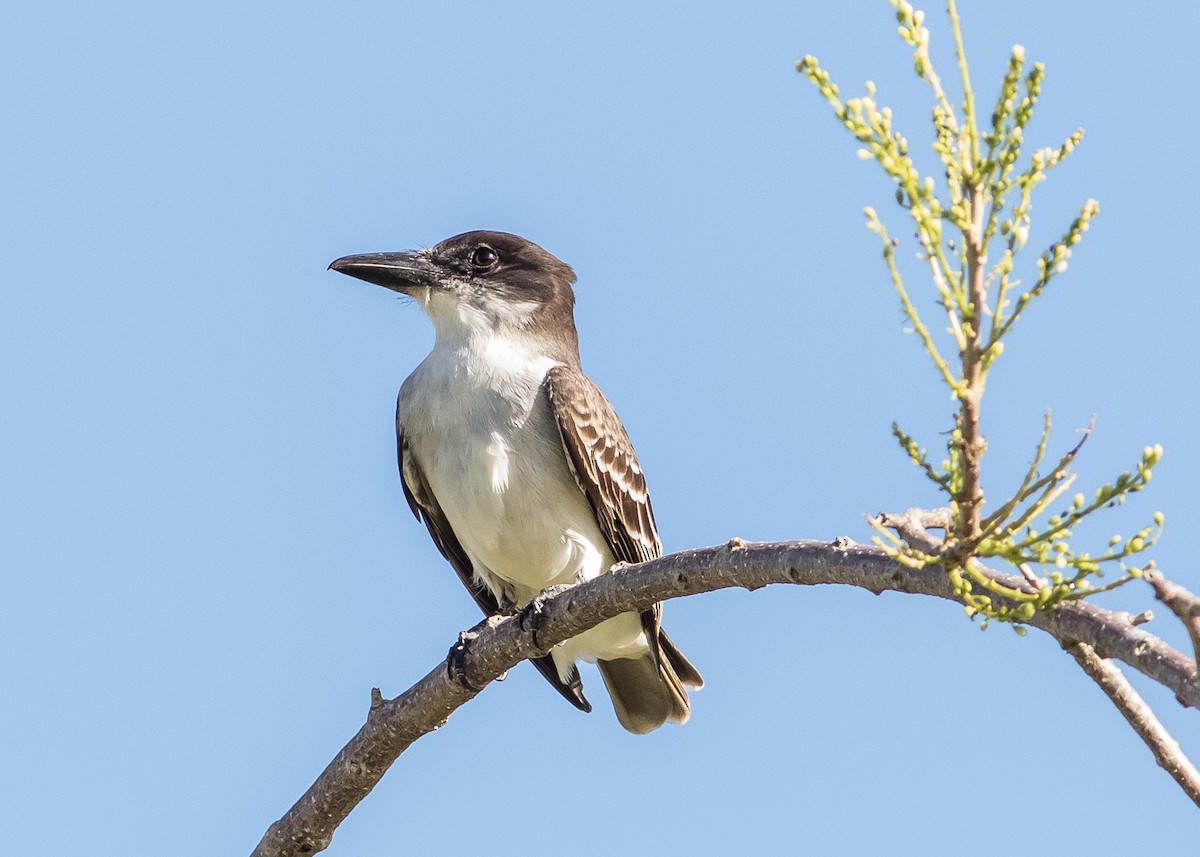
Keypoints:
pixel 396 271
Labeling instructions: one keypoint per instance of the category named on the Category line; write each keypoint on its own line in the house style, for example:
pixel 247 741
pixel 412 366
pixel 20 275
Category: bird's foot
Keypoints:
pixel 534 613
pixel 456 666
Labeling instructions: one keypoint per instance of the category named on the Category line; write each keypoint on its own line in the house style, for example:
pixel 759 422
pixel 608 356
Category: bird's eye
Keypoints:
pixel 483 258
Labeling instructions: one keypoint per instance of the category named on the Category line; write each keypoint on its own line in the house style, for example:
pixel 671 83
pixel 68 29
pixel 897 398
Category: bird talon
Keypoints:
pixel 533 615
pixel 531 618
pixel 456 667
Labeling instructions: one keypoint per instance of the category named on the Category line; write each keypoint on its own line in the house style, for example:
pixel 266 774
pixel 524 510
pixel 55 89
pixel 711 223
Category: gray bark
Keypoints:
pixel 500 644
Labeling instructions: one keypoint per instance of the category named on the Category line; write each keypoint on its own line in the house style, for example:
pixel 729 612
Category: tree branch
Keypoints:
pixel 914 525
pixel 1129 702
pixel 1181 602
pixel 970 395
pixel 392 725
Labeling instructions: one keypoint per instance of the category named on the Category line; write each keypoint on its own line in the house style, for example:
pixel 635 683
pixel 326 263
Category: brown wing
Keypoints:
pixel 605 464
pixel 608 473
pixel 425 507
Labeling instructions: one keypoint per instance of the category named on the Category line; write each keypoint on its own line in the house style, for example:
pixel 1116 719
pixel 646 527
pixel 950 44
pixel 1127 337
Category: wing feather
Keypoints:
pixel 607 470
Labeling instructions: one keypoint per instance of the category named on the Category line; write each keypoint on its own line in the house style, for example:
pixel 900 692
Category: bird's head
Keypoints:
pixel 477 282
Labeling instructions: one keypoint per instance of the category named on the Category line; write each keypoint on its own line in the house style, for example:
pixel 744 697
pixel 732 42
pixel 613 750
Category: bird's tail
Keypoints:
pixel 646 692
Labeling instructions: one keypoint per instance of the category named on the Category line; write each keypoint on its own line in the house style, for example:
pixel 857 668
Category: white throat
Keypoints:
pixel 471 323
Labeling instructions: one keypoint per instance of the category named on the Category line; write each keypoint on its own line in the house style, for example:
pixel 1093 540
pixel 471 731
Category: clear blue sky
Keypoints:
pixel 207 561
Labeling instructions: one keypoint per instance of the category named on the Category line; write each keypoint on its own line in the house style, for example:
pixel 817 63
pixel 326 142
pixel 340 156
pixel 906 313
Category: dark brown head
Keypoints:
pixel 479 282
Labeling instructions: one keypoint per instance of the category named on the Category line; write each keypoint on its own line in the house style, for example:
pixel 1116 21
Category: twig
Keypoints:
pixel 914 526
pixel 1031 578
pixel 1133 708
pixel 1142 618
pixel 1181 602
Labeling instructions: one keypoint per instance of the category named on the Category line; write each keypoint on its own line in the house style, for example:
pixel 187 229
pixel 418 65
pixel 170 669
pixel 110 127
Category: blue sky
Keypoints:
pixel 207 561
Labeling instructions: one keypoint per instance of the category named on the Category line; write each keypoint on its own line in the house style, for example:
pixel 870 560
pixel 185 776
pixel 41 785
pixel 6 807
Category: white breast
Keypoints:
pixel 482 431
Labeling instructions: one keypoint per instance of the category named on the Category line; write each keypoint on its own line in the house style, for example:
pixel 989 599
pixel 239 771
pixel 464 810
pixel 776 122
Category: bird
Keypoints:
pixel 517 463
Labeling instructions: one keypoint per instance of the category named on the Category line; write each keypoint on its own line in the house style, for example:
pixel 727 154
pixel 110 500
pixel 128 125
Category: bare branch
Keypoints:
pixel 1142 618
pixel 392 725
pixel 1181 602
pixel 914 526
pixel 1129 702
